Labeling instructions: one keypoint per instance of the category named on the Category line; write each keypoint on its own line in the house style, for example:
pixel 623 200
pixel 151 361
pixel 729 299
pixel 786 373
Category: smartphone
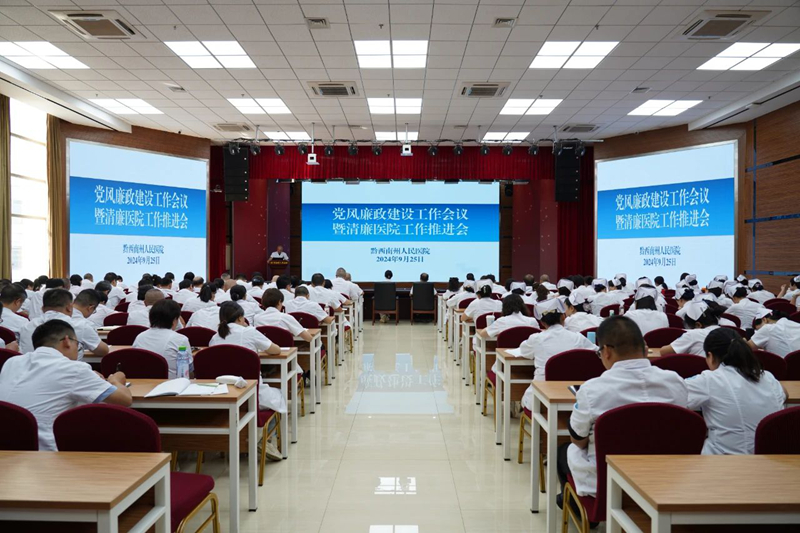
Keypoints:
pixel 592 336
pixel 574 389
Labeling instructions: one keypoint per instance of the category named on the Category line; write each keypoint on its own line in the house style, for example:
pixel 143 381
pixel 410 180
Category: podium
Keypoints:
pixel 277 267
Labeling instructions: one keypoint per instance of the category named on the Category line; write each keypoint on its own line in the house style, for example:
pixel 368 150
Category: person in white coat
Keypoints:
pixel 734 395
pixel 790 290
pixel 701 318
pixel 204 299
pixel 544 279
pixel 482 304
pixel 604 297
pixel 273 315
pixel 301 304
pixel 76 285
pixel 162 338
pixel 775 333
pixel 515 314
pixel 717 287
pixel 467 292
pixel 88 281
pixel 238 294
pixel 577 319
pixel 646 314
pixel 743 308
pixel 185 292
pixel 140 315
pixel 629 379
pixel 341 285
pixel 758 292
pixel 12 297
pixel 37 300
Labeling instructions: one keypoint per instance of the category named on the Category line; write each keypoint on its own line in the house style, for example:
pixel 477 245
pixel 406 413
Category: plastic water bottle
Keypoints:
pixel 489 320
pixel 183 363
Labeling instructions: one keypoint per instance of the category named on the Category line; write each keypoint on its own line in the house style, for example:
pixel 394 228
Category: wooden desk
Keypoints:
pixel 793 388
pixel 84 487
pixel 339 319
pixel 484 359
pixel 287 363
pixel 190 432
pixel 467 331
pixel 314 352
pixel 440 310
pixel 506 379
pixel 105 330
pixel 329 340
pixel 703 489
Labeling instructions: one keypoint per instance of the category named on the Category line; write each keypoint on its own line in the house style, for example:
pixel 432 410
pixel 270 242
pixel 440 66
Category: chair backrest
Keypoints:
pixel 586 332
pixel 186 315
pixel 513 337
pixel 306 320
pixel 124 335
pixel 281 337
pixel 5 355
pixel 123 430
pixel 424 298
pixel 779 304
pixel 742 333
pixel 116 319
pixel 793 366
pixel 496 296
pixel 384 296
pixel 463 304
pixel 779 433
pixel 573 365
pixel 733 318
pixel 671 307
pixel 198 336
pixel 773 363
pixel 223 359
pixel 135 363
pixel 606 311
pixel 628 302
pixel 683 364
pixel 662 336
pixel 7 335
pixel 675 321
pixel 480 322
pixel 20 430
pixel 644 429
pixel 530 309
pixel 669 293
pixel 795 317
pixel 122 307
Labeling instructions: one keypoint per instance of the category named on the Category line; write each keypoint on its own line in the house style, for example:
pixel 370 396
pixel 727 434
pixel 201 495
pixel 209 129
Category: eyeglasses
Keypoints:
pixel 599 351
pixel 74 340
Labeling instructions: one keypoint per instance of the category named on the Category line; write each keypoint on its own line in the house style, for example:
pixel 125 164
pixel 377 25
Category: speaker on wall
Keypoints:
pixel 237 175
pixel 568 173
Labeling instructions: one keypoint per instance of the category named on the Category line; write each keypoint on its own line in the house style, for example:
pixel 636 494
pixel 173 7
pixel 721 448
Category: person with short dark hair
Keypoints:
pixel 302 304
pixel 238 294
pixel 734 395
pixel 185 292
pixel 256 287
pixel 273 316
pixel 85 304
pixel 34 309
pixel 162 338
pixel 12 298
pixel 75 282
pixel 285 284
pixel 204 299
pixel 140 315
pixel 319 293
pixel 629 379
pixel 484 303
pixel 49 380
pixel 14 345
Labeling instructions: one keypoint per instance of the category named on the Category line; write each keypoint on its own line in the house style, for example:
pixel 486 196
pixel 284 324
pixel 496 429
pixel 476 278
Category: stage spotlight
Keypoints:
pixel 329 151
pixel 507 149
pixel 279 150
pixel 376 149
pixel 352 149
pixel 484 149
pixel 458 149
pixel 581 150
pixel 509 189
pixel 233 148
pixel 433 150
pixel 533 150
pixel 302 148
pixel 255 149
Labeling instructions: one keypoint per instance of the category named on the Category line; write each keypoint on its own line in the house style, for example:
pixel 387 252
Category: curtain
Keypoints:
pixel 57 194
pixel 576 226
pixel 5 188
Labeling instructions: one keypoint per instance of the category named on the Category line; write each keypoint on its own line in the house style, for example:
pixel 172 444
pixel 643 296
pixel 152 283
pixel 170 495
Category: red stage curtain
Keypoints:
pixel 217 215
pixel 576 226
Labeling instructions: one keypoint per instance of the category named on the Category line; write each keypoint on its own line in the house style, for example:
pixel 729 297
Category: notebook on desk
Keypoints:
pixel 184 387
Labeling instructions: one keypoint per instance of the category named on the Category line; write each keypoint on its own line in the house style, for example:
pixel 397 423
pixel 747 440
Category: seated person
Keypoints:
pixel 301 304
pixel 165 285
pixel 735 395
pixel 743 307
pixel 775 333
pixel 629 378
pixel 75 284
pixel 484 303
pixel 577 319
pixel 88 281
pixel 603 297
pixel 238 294
pixel 515 314
pixel 57 305
pixel 13 346
pixel 162 338
pixel 12 298
pixel 758 292
pixel 790 291
pixel 453 287
pixel 36 300
pixel 700 318
pixel 49 380
pixel 204 299
pixel 423 278
pixel 544 280
pixel 185 292
pixel 467 292
pixel 273 315
pixel 257 287
pixel 285 285
pixel 140 316
pixel 646 314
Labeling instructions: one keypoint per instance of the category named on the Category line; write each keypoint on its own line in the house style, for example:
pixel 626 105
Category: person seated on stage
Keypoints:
pixel 285 284
pixel 49 380
pixel 75 282
pixel 162 338
pixel 88 281
pixel 12 298
pixel 301 304
pixel 204 299
pixel 544 279
pixel 388 275
pixel 484 303
pixel 515 314
pixel 646 314
pixel 577 319
pixel 775 333
pixel 185 292
pixel 273 316
pixel 140 316
pixel 700 318
pixel 279 254
pixel 257 287
pixel 423 278
pixel 57 305
pixel 624 354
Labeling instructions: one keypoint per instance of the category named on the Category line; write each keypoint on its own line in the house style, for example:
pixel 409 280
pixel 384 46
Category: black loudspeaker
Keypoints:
pixel 237 175
pixel 568 174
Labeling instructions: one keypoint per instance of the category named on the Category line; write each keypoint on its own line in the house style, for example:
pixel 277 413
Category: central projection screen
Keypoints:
pixel 438 228
pixel 666 213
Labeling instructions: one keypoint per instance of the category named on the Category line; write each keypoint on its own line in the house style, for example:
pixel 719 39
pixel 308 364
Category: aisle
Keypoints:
pixel 399 446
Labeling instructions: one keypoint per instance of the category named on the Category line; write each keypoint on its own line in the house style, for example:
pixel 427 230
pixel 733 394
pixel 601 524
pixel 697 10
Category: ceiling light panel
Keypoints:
pixel 390 106
pixel 572 54
pixel 749 56
pixel 126 106
pixel 260 106
pixel 524 106
pixel 664 108
pixel 212 54
pixel 396 136
pixel 39 55
pixel 388 54
pixel 287 136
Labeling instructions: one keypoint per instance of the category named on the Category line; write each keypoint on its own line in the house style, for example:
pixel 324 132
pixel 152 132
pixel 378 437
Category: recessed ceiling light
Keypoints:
pixel 224 48
pixel 372 48
pixel 126 106
pixel 383 61
pixel 259 106
pixel 664 108
pixel 31 62
pixel 187 48
pixel 199 62
pixel 389 106
pixel 386 54
pixel 558 48
pixel 410 48
pixel 548 61
pixel 39 55
pixel 298 135
pixel 742 49
pixel 524 106
pixel 720 63
pixel 276 135
pixel 410 61
pixel 396 135
pixel 212 54
pixel 517 136
pixel 236 62
pixel 595 48
pixel 749 56
pixel 778 50
pixel 755 63
pixel 583 61
pixel 572 54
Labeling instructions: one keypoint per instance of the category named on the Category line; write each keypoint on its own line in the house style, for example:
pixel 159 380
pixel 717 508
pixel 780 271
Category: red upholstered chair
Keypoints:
pixel 122 307
pixel 635 429
pixel 795 317
pixel 124 335
pixel 530 309
pixel 285 339
pixel 669 293
pixel 662 336
pixel 463 304
pixel 186 315
pixel 510 338
pixel 671 307
pixel 226 359
pixel 126 430
pixel 480 322
pixel 793 366
pixel 135 363
pixel 607 310
pixel 628 302
pixel 684 364
pixel 775 364
pixel 586 332
pixel 306 320
pixel 5 355
pixel 496 296
pixel 675 321
pixel 7 335
pixel 733 318
pixel 779 433
pixel 116 319
pixel 779 304
pixel 198 336
pixel 20 430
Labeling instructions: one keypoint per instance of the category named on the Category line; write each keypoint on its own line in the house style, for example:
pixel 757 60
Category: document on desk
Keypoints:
pixel 184 387
pixel 204 389
pixel 516 352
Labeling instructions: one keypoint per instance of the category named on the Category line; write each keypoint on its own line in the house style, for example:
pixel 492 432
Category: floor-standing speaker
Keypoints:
pixel 568 174
pixel 237 175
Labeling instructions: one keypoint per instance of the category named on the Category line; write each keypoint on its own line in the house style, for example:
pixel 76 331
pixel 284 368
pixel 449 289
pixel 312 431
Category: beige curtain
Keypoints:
pixel 57 195
pixel 5 188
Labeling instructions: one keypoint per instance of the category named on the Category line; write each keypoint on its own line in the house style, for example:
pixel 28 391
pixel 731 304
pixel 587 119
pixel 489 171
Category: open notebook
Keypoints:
pixel 184 387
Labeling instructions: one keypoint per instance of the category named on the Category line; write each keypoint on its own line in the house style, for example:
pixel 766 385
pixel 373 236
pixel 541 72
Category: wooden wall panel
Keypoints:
pixel 142 139
pixel 777 189
pixel 777 134
pixel 775 247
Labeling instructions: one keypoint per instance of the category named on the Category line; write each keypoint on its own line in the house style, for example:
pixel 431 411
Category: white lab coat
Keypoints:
pixel 273 317
pixel 692 341
pixel 87 284
pixel 503 323
pixel 627 382
pixel 761 296
pixel 139 316
pixel 542 346
pixel 301 304
pixel 164 342
pixel 746 311
pixel 208 317
pixel 733 407
pixel 781 338
pixel 251 309
pixel 790 294
pixel 196 304
pixel 603 299
pixel 279 255
pixel 648 320
pixel 12 321
pixel 458 298
pixel 84 332
pixel 578 322
pixel 184 295
pixel 287 295
pixel 75 290
pixel 481 306
pixel 349 288
pixel 99 315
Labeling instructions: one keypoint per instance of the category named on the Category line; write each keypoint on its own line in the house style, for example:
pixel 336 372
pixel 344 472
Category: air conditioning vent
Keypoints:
pixel 318 24
pixel 579 128
pixel 640 90
pixel 719 25
pixel 232 127
pixel 99 25
pixel 504 23
pixel 334 89
pixel 174 87
pixel 483 90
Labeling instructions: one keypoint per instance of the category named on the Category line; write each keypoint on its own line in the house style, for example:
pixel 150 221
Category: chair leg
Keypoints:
pixel 485 395
pixel 582 521
pixel 213 519
pixel 263 459
pixel 173 464
pixel 542 483
pixel 302 394
pixel 278 436
pixel 521 437
pixel 200 459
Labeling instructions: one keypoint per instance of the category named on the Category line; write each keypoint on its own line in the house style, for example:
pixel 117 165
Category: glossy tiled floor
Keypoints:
pixel 398 446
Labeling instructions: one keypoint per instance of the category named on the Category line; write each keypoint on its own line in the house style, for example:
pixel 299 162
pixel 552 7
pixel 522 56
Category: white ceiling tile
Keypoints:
pixel 282 14
pixel 453 14
pixel 540 14
pixel 626 14
pixel 531 34
pixel 336 48
pixel 416 14
pixel 168 32
pixel 339 62
pixel 261 48
pixel 336 14
pixel 569 33
pixel 196 14
pixel 18 33
pixel 450 32
pixel 154 14
pixel 28 16
pixel 673 14
pixel 411 31
pixel 649 33
pixel 54 34
pixel 579 15
pixel 485 32
pixel 211 32
pixel 240 14
pixel 290 32
pixel 298 48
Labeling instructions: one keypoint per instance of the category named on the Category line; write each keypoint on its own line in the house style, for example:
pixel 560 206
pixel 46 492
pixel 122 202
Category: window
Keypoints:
pixel 30 239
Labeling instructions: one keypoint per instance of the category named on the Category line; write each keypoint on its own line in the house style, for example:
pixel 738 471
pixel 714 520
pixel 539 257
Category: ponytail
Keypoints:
pixel 206 292
pixel 485 291
pixel 229 312
pixel 741 292
pixel 728 348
